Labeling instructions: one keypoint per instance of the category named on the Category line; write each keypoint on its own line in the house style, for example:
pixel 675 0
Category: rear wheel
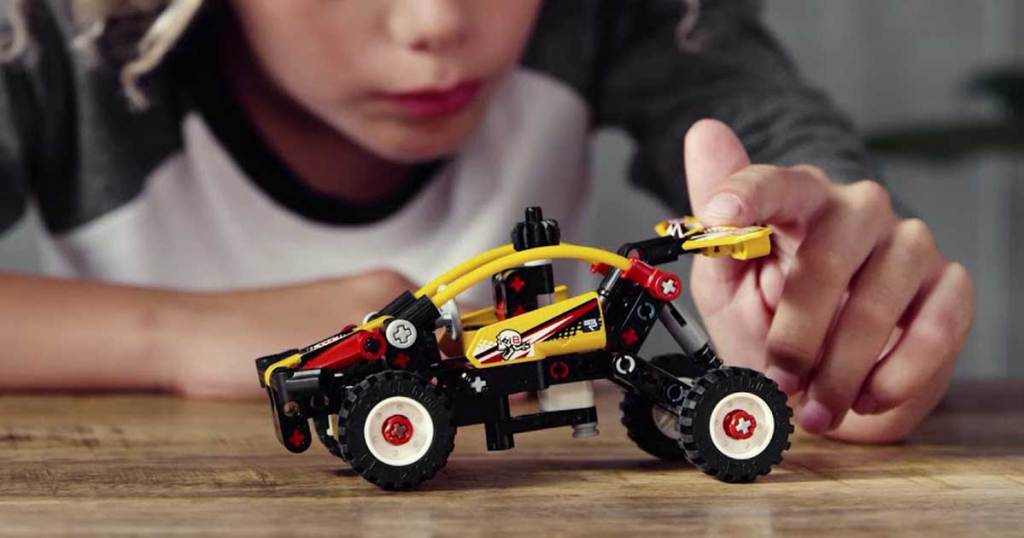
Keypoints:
pixel 735 424
pixel 395 429
pixel 654 429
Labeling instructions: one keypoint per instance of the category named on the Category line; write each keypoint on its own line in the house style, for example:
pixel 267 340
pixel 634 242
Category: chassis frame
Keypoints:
pixel 632 299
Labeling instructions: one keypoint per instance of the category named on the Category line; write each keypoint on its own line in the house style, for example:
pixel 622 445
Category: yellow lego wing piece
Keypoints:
pixel 679 228
pixel 742 243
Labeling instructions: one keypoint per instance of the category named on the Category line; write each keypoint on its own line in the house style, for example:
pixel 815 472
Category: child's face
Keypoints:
pixel 408 80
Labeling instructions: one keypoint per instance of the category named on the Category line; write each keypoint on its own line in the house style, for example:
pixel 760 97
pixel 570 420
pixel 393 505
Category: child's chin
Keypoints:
pixel 424 140
pixel 419 147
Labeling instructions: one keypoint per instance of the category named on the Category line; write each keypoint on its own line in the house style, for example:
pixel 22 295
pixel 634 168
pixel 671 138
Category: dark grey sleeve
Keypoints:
pixel 13 145
pixel 12 181
pixel 733 70
pixel 39 123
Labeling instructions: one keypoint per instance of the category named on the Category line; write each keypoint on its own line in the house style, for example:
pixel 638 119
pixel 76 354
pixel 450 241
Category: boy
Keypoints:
pixel 290 150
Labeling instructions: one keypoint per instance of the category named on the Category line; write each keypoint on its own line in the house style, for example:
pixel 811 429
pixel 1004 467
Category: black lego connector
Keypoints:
pixel 396 306
pixel 263 363
pixel 657 251
pixel 535 231
pixel 421 312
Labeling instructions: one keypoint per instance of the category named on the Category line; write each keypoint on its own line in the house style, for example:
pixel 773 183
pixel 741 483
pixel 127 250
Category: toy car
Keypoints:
pixel 387 396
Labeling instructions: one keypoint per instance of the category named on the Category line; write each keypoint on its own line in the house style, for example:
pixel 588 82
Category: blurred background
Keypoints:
pixel 931 85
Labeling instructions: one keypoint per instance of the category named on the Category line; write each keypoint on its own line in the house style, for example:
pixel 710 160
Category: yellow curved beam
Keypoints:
pixel 430 288
pixel 472 271
pixel 515 259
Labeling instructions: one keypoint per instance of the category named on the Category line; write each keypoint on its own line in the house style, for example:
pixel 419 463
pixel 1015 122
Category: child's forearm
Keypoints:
pixel 76 335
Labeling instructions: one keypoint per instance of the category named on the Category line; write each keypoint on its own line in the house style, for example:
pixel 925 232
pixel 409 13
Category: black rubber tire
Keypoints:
pixel 355 410
pixel 695 423
pixel 320 422
pixel 637 412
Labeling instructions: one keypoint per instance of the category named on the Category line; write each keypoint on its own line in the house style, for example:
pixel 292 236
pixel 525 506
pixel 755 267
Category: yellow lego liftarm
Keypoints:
pixel 741 243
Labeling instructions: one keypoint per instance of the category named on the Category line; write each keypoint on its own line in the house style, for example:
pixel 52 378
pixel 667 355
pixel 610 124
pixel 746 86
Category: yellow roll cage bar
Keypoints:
pixel 467 274
pixel 470 272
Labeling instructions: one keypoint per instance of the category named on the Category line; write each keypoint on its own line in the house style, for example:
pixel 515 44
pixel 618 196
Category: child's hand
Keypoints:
pixel 228 330
pixel 849 283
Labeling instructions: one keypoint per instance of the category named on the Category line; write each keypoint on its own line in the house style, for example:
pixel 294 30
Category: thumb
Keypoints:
pixel 711 154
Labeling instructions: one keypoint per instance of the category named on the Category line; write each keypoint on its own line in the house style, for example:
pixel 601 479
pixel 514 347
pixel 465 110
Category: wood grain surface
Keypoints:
pixel 151 465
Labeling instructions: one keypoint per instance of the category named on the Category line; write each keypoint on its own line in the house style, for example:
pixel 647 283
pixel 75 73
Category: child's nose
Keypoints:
pixel 428 25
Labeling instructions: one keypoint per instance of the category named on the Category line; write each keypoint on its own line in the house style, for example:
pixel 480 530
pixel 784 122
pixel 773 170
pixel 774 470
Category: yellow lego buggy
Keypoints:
pixel 387 396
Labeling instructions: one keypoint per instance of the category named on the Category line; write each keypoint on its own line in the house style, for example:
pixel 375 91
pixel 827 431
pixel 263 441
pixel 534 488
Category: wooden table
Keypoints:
pixel 131 465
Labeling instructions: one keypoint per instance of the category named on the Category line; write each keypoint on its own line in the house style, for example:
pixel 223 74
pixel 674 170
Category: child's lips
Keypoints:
pixel 431 103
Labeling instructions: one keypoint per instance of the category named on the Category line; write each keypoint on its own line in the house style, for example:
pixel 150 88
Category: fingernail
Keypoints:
pixel 815 417
pixel 865 405
pixel 723 208
pixel 788 382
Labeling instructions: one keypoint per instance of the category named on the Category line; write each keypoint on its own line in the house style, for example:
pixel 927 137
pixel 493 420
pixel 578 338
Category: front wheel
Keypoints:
pixel 395 429
pixel 735 424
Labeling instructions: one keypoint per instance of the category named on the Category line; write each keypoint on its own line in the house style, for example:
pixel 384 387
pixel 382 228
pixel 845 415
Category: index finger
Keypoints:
pixel 764 194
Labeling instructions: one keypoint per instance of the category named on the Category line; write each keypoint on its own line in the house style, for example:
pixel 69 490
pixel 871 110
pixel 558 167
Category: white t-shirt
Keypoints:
pixel 201 224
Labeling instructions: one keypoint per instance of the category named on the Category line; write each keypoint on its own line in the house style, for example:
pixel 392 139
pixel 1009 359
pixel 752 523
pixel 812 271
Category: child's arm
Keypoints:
pixel 656 83
pixel 848 277
pixel 70 335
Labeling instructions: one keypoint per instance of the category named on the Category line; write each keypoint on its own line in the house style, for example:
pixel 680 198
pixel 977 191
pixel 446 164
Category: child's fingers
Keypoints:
pixel 837 245
pixel 897 423
pixel 879 296
pixel 711 153
pixel 935 332
pixel 763 195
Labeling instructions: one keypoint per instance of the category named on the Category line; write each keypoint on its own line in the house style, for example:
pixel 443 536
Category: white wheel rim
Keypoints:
pixel 667 423
pixel 739 407
pixel 419 440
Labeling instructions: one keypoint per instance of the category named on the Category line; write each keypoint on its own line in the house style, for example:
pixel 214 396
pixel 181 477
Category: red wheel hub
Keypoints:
pixel 739 424
pixel 397 430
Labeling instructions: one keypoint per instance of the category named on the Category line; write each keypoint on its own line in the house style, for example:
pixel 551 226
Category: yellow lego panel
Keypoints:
pixel 744 243
pixel 740 243
pixel 479 318
pixel 574 325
